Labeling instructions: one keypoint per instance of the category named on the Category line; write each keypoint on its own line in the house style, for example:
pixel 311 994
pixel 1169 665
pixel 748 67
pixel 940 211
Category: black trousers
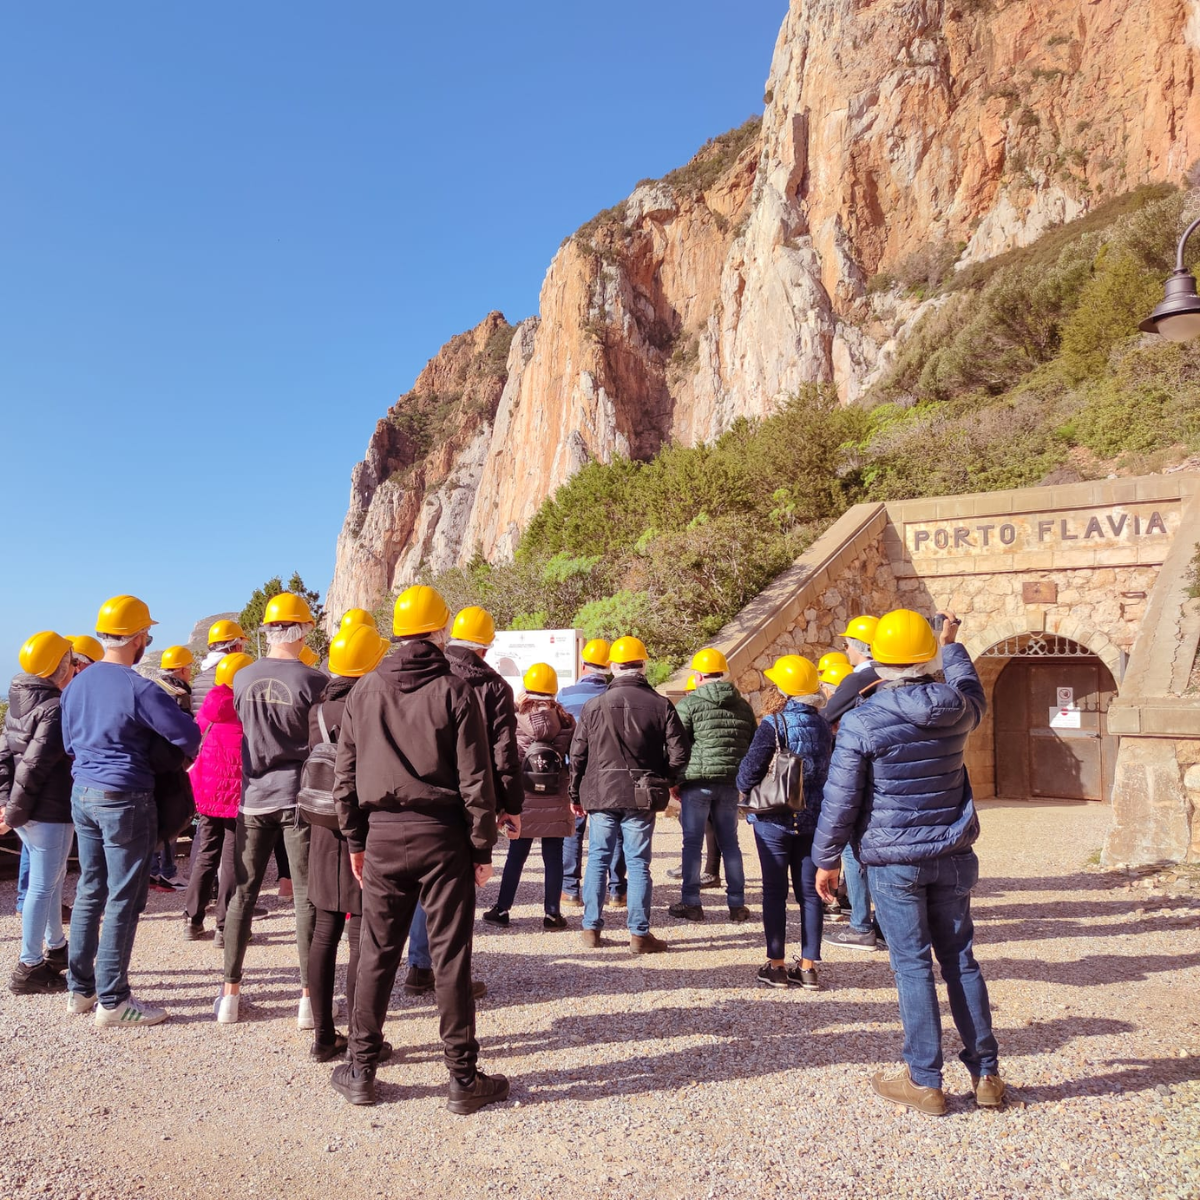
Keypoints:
pixel 411 856
pixel 322 967
pixel 215 838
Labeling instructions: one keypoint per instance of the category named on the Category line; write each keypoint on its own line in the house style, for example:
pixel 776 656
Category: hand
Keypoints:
pixel 949 627
pixel 510 824
pixel 577 810
pixel 356 865
pixel 4 827
pixel 827 884
pixel 483 872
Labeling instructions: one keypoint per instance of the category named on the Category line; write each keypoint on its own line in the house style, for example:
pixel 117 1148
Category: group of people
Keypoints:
pixel 389 779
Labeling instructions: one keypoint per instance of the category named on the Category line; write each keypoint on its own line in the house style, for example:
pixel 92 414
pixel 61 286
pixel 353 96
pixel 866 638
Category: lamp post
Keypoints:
pixel 1177 318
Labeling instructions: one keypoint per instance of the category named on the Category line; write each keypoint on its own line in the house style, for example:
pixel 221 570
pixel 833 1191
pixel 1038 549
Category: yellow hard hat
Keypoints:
pixel 42 654
pixel 690 686
pixel 709 662
pixel 474 624
pixel 627 650
pixel 87 646
pixel 357 616
pixel 862 629
pixel 542 678
pixel 419 610
pixel 230 665
pixel 903 637
pixel 356 651
pixel 287 609
pixel 793 675
pixel 122 616
pixel 836 672
pixel 224 630
pixel 595 653
pixel 176 656
pixel 827 660
pixel 308 656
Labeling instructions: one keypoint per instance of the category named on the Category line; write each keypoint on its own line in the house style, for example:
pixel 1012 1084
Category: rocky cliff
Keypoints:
pixel 895 134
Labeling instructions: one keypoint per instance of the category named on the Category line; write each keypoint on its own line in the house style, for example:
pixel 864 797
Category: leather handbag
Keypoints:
pixel 782 787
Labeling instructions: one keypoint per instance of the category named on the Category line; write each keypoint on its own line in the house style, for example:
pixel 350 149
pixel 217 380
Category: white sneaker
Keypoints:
pixel 77 1002
pixel 304 1016
pixel 226 1008
pixel 130 1014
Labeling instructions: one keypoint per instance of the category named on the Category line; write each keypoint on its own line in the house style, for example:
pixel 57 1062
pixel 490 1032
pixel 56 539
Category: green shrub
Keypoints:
pixel 1193 585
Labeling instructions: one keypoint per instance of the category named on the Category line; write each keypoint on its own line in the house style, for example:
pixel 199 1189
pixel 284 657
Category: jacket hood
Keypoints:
pixel 466 664
pixel 721 694
pixel 624 681
pixel 339 686
pixel 26 692
pixel 218 707
pixel 927 705
pixel 412 665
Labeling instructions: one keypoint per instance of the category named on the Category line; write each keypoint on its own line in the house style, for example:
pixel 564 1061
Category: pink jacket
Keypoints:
pixel 217 772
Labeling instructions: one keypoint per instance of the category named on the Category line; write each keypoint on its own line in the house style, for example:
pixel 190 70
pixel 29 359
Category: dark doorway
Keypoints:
pixel 1051 728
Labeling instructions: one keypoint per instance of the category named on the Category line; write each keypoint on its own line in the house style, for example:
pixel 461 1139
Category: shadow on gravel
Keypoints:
pixel 1141 1075
pixel 1093 970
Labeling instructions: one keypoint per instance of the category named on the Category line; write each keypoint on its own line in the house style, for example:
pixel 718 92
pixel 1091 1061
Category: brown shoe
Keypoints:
pixel 900 1089
pixel 570 901
pixel 590 938
pixel 989 1091
pixel 646 943
pixel 619 901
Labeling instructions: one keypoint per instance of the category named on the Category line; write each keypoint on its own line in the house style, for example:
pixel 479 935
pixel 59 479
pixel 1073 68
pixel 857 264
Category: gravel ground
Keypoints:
pixel 672 1077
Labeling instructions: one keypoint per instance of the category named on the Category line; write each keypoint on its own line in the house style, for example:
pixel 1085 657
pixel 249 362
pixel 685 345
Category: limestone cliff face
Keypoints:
pixel 891 129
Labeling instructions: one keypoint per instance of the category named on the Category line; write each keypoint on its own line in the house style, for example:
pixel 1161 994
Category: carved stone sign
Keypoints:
pixel 1039 591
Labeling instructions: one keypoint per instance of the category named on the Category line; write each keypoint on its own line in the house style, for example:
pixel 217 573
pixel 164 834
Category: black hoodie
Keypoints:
pixel 35 770
pixel 413 737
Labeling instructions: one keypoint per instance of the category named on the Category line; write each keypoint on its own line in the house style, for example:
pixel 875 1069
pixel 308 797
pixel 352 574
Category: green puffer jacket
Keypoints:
pixel 721 727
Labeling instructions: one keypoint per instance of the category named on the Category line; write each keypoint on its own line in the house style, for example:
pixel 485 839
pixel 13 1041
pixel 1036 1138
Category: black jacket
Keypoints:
pixel 630 728
pixel 331 883
pixel 846 694
pixel 413 737
pixel 500 713
pixel 35 770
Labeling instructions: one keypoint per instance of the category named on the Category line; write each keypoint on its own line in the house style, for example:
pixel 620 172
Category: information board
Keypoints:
pixel 515 651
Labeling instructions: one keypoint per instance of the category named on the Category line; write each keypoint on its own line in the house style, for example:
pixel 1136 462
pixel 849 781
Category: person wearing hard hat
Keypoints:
pixel 112 718
pixel 335 894
pixel 225 636
pixel 784 839
pixel 593 682
pixel 832 674
pixel 414 789
pixel 272 698
pixel 35 800
pixel 858 634
pixel 217 785
pixel 898 789
pixel 629 749
pixel 471 636
pixel 356 616
pixel 544 730
pixel 720 726
pixel 85 650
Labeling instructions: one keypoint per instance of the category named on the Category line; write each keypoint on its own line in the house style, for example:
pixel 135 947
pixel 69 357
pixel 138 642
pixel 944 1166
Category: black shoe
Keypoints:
pixel 775 977
pixel 739 915
pixel 38 980
pixel 219 939
pixel 709 881
pixel 675 873
pixel 833 912
pixel 478 989
pixel 804 977
pixel 687 912
pixel 356 1086
pixel 554 921
pixel 494 916
pixel 260 911
pixel 471 1097
pixel 852 940
pixel 192 932
pixel 56 960
pixel 324 1051
pixel 418 981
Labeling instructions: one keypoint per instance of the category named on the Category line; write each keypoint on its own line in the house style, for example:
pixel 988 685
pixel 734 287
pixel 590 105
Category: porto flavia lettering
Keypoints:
pixel 1041 530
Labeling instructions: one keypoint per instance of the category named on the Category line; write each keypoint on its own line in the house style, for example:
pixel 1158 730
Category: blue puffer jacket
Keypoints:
pixel 573 698
pixel 807 733
pixel 897 787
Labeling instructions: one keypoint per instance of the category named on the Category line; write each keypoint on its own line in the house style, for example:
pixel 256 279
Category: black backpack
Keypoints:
pixel 542 770
pixel 315 799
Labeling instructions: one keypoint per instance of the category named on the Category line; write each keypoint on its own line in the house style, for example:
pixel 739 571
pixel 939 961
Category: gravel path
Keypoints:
pixel 671 1077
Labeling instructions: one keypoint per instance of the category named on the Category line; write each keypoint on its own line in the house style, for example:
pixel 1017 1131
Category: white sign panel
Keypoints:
pixel 1065 718
pixel 515 651
pixel 1066 697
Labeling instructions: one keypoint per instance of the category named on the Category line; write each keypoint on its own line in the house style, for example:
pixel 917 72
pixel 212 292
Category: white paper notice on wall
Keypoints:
pixel 1066 697
pixel 1065 718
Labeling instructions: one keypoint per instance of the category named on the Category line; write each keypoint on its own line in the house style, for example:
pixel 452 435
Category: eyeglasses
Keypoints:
pixel 149 638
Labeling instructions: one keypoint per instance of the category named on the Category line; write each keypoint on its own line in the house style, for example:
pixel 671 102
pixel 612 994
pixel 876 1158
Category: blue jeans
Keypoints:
pixel 514 864
pixel 418 941
pixel 926 908
pixel 117 832
pixel 162 861
pixel 49 846
pixel 573 865
pixel 22 878
pixel 633 830
pixel 697 801
pixel 858 892
pixel 785 854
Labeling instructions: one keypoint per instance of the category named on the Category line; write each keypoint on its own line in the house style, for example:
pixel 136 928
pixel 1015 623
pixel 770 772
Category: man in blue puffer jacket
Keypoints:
pixel 898 791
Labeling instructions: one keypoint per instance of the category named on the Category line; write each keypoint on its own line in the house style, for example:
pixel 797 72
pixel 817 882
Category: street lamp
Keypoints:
pixel 1177 318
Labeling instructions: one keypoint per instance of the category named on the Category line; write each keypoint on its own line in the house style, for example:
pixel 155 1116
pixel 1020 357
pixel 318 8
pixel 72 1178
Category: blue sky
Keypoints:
pixel 233 236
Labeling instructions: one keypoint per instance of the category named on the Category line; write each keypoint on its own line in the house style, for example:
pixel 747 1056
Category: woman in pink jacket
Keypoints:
pixel 217 784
